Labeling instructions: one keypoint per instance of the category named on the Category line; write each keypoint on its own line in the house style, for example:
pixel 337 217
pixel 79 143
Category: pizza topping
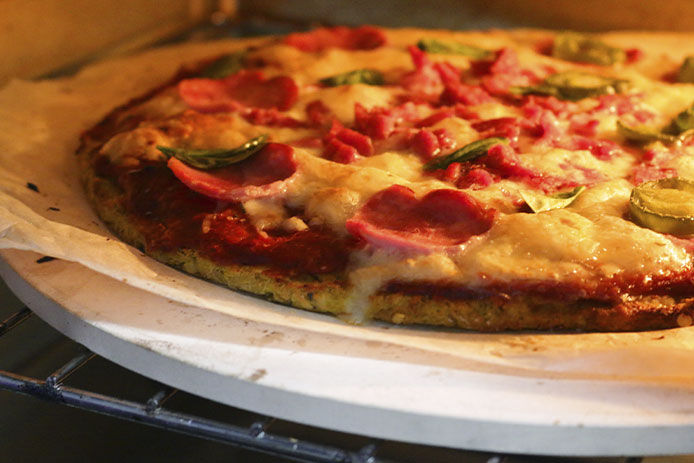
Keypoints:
pixel 380 122
pixel 468 152
pixel 472 95
pixel 361 38
pixel 395 219
pixel 643 134
pixel 541 203
pixel 686 71
pixel 264 175
pixel 206 159
pixel 318 114
pixel 243 89
pixel 634 55
pixel 572 46
pixel 574 86
pixel 224 66
pixel 655 165
pixel 666 205
pixel 682 123
pixel 455 91
pixel 345 145
pixel 232 239
pixel 504 127
pixel 358 76
pixel 503 73
pixel 424 83
pixel 680 128
pixel 428 143
pixel 454 48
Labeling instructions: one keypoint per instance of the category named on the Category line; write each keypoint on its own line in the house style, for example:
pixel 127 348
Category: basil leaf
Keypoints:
pixel 359 76
pixel 541 89
pixel 682 123
pixel 680 128
pixel 206 159
pixel 541 203
pixel 571 46
pixel 224 66
pixel 574 86
pixel 468 152
pixel 452 48
pixel 642 134
pixel 686 72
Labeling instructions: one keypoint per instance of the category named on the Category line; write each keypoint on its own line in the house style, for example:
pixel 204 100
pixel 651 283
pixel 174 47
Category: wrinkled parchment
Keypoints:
pixel 40 123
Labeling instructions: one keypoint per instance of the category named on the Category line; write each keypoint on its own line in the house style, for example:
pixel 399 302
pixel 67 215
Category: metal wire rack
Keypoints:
pixel 259 436
pixel 152 412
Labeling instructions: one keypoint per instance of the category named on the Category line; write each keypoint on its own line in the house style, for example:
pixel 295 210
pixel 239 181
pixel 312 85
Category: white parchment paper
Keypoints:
pixel 40 124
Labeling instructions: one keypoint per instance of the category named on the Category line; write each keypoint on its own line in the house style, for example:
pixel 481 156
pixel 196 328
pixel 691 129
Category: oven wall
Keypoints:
pixel 37 36
pixel 588 15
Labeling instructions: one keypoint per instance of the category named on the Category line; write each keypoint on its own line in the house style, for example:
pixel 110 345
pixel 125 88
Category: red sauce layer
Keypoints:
pixel 171 216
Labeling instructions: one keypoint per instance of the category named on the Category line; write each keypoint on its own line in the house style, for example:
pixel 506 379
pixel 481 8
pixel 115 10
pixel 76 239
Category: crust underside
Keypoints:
pixel 329 293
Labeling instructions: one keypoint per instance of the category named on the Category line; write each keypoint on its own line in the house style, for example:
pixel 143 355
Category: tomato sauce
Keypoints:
pixel 171 217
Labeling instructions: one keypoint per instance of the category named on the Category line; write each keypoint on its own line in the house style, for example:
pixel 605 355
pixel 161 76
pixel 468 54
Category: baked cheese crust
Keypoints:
pixel 357 148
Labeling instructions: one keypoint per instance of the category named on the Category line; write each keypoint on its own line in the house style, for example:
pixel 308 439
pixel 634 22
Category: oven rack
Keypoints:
pixel 258 437
pixel 152 412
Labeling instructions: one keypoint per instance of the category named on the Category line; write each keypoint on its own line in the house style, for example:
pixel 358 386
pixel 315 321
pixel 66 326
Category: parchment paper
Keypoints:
pixel 40 123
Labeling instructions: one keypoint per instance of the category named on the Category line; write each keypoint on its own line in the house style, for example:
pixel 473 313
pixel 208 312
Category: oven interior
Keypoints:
pixel 45 39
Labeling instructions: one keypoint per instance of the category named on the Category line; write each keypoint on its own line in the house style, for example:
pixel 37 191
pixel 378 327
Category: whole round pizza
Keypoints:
pixel 500 180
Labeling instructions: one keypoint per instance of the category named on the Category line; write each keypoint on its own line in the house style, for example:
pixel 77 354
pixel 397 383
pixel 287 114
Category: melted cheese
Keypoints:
pixel 340 100
pixel 574 164
pixel 265 213
pixel 130 148
pixel 561 245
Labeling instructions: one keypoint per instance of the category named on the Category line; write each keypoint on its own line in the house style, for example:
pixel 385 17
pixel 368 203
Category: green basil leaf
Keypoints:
pixel 206 159
pixel 359 76
pixel 686 72
pixel 468 152
pixel 224 66
pixel 574 86
pixel 571 46
pixel 541 203
pixel 643 134
pixel 452 48
pixel 682 123
pixel 541 89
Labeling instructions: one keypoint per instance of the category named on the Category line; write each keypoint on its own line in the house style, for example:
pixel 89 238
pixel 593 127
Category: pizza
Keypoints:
pixel 501 180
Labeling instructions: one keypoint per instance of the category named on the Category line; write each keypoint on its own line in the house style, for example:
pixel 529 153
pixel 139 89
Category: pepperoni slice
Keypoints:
pixel 361 38
pixel 380 122
pixel 424 83
pixel 263 175
pixel 345 145
pixel 395 219
pixel 243 89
